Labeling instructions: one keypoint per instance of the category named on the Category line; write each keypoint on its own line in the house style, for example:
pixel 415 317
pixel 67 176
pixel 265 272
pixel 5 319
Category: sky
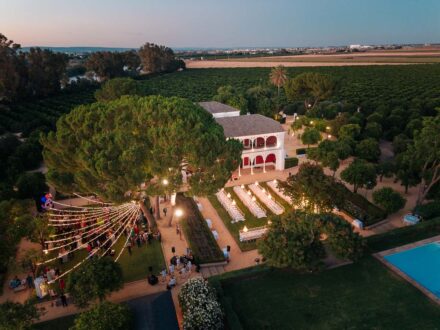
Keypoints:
pixel 219 23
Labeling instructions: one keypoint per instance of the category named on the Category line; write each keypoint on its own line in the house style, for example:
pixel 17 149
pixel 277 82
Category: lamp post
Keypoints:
pixel 178 213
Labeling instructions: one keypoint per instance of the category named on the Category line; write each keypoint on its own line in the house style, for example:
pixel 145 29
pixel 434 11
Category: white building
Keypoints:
pixel 262 137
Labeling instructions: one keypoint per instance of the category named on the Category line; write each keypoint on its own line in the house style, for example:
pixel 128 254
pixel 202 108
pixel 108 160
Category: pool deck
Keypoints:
pixel 381 257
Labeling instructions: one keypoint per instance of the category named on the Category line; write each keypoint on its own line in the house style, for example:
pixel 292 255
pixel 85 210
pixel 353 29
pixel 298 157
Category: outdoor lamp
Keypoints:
pixel 269 222
pixel 165 182
pixel 245 229
pixel 233 202
pixel 178 213
pixel 45 251
pixel 229 195
pixel 328 128
pixel 249 192
pixel 311 122
pixel 254 199
pixel 256 183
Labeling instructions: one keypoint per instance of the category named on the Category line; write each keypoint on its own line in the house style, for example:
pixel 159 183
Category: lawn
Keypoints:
pixel 135 267
pixel 234 228
pixel 251 220
pixel 364 295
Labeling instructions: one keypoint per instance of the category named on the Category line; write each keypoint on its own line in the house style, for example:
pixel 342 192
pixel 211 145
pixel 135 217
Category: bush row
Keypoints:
pixel 197 232
pixel 359 207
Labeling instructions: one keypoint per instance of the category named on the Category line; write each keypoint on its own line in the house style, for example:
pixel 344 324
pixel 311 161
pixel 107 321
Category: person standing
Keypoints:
pixel 62 285
pixel 129 247
pixel 63 299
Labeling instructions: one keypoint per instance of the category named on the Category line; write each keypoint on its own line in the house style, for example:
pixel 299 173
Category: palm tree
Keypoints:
pixel 278 77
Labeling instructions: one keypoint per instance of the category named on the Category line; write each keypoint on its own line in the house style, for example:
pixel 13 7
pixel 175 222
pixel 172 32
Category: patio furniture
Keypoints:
pixel 215 234
pixel 411 219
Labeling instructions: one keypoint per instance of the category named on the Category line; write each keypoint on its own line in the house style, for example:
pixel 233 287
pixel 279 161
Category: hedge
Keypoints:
pixel 359 207
pixel 404 235
pixel 428 211
pixel 291 162
pixel 200 239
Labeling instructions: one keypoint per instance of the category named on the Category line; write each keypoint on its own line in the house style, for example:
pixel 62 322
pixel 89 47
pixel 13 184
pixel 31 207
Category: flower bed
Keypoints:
pixel 199 236
pixel 200 307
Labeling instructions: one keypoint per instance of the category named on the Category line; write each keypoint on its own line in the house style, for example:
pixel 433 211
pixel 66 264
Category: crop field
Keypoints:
pixel 27 116
pixel 367 58
pixel 357 84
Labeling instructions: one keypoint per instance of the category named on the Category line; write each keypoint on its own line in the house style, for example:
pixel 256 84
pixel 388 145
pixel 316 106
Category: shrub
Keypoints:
pixel 105 315
pixel 200 307
pixel 115 88
pixel 388 199
pixel 291 162
pixel 31 185
pixel 429 211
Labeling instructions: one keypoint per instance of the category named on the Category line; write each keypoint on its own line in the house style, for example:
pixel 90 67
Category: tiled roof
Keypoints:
pixel 249 125
pixel 217 107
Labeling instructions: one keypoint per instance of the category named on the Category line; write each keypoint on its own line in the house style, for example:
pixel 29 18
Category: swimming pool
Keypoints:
pixel 422 264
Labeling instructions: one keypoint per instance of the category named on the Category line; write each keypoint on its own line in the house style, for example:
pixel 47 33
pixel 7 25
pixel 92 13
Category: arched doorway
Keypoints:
pixel 245 162
pixel 258 160
pixel 271 158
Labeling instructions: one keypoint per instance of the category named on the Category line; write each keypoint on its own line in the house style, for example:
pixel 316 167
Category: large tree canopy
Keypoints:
pixel 113 148
pixel 311 87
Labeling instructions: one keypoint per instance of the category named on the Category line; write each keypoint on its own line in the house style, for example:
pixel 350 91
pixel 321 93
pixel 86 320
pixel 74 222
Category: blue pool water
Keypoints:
pixel 422 264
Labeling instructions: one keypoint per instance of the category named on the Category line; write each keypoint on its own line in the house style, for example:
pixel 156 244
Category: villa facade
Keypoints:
pixel 262 137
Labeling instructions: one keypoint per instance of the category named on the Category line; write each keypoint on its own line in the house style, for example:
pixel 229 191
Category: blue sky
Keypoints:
pixel 219 23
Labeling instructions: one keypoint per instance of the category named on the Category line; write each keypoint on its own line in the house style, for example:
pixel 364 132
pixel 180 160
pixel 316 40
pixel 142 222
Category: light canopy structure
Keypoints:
pixel 96 227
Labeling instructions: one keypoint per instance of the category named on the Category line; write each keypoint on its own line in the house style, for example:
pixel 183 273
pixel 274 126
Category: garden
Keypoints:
pixel 200 239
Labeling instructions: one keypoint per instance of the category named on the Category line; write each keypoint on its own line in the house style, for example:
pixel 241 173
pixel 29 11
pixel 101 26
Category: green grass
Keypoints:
pixel 234 228
pixel 365 295
pixel 135 267
pixel 251 220
pixel 276 197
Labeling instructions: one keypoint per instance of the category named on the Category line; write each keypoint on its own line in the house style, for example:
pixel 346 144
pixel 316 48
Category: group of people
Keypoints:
pixel 139 236
pixel 27 282
pixel 181 266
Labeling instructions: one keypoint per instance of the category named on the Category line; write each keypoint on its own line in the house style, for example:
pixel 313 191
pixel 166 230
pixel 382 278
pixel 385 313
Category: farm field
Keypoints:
pixel 363 58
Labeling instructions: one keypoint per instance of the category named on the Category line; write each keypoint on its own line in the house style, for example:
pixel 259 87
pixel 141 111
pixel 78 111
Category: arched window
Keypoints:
pixel 271 158
pixel 259 142
pixel 271 141
pixel 247 144
pixel 245 161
